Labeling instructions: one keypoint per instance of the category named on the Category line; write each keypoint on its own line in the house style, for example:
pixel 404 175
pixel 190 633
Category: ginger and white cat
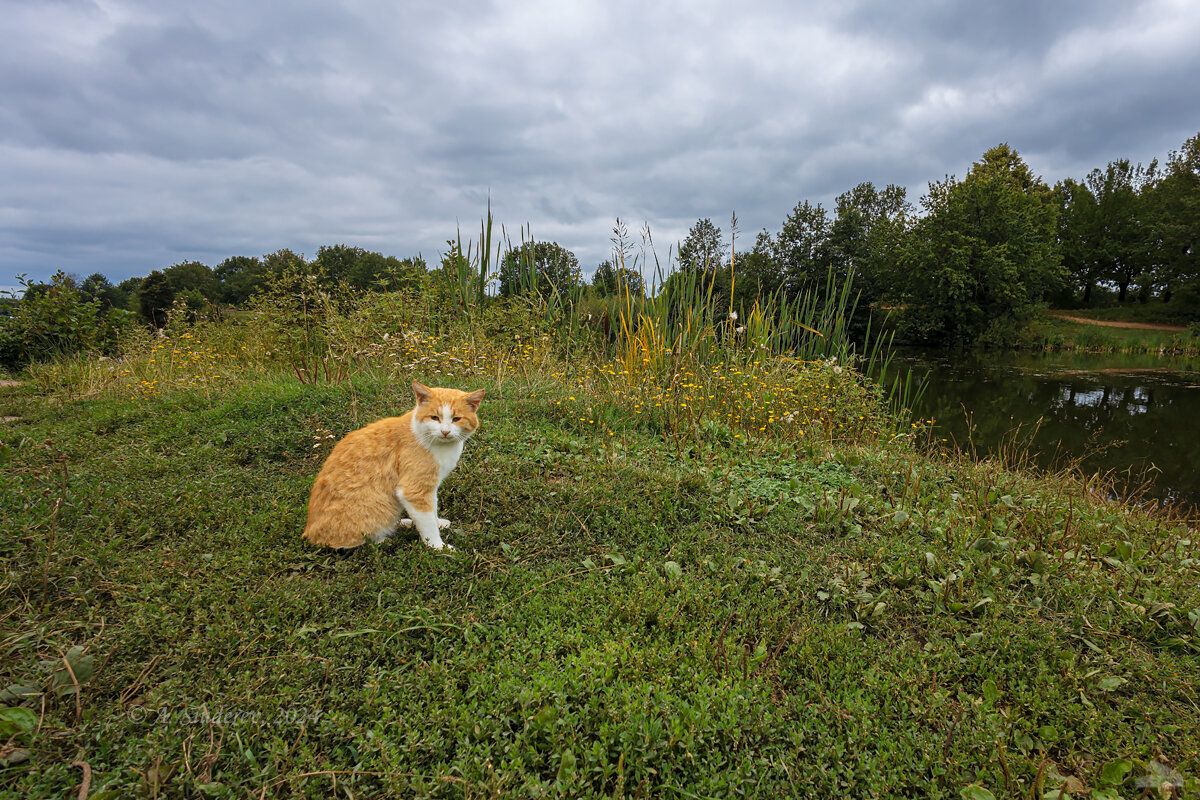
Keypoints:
pixel 391 466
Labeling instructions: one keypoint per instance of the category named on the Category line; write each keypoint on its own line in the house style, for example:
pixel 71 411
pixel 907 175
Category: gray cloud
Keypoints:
pixel 134 134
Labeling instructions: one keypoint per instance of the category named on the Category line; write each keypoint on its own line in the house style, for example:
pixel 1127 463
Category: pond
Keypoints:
pixel 1134 417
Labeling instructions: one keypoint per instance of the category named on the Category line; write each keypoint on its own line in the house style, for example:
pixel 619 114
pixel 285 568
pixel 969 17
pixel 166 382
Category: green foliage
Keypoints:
pixel 56 319
pixel 1133 228
pixel 802 249
pixel 294 309
pixel 283 262
pixel 866 237
pixel 703 250
pixel 1119 242
pixel 240 277
pixel 98 287
pixel 1078 229
pixel 195 281
pixel 338 262
pixel 610 280
pixel 984 255
pixel 155 295
pixel 366 270
pixel 378 272
pixel 756 274
pixel 542 269
pixel 1174 207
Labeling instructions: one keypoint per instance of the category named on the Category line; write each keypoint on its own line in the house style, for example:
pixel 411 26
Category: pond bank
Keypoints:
pixel 1126 415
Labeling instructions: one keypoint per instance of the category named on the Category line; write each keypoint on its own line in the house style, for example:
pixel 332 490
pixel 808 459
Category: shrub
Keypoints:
pixel 52 319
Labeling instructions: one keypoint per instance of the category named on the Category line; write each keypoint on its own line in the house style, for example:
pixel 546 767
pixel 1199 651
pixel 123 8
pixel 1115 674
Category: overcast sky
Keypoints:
pixel 135 135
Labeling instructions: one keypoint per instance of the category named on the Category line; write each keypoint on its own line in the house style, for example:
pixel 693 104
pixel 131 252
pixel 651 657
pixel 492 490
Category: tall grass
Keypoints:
pixel 678 357
pixel 684 325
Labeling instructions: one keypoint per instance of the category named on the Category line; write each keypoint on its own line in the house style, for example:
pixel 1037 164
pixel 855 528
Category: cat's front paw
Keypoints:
pixel 441 523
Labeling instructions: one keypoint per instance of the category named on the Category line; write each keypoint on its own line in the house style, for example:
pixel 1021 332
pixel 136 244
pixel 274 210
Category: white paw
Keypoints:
pixel 406 523
pixel 443 524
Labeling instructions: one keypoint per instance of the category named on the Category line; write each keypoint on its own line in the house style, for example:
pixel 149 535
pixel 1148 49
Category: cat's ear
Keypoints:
pixel 422 392
pixel 474 399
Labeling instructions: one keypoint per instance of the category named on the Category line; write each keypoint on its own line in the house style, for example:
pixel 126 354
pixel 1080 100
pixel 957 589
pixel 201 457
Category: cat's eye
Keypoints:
pixel 435 418
pixel 456 419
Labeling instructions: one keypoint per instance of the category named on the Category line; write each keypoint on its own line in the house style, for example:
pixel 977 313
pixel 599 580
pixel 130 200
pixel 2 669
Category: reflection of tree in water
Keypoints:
pixel 1118 422
pixel 1130 399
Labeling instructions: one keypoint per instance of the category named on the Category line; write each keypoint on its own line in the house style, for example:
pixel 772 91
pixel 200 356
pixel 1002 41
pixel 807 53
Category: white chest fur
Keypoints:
pixel 446 454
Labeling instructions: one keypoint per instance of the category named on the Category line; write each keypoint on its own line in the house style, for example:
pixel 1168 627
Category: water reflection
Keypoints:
pixel 1134 400
pixel 1135 415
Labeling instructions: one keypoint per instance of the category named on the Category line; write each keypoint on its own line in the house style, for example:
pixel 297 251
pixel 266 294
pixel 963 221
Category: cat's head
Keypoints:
pixel 445 415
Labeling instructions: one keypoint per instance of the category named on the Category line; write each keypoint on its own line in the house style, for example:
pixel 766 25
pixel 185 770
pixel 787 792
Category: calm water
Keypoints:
pixel 1135 416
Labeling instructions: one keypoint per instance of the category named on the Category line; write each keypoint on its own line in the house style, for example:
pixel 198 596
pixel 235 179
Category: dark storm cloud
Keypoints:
pixel 134 134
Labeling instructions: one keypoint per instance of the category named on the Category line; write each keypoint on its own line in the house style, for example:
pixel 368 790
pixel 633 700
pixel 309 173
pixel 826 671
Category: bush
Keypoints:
pixel 57 319
pixel 52 319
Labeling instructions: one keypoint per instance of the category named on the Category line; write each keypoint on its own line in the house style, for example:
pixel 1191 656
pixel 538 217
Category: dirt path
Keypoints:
pixel 1141 326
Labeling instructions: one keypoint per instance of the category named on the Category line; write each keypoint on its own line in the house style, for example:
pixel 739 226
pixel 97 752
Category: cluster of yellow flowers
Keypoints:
pixel 778 397
pixel 179 362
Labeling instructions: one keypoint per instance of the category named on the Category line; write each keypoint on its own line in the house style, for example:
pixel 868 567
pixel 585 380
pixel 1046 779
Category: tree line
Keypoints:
pixel 971 265
pixel 981 254
pixel 70 314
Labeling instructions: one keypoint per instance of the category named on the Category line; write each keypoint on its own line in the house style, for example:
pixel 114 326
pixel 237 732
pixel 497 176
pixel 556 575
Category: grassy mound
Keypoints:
pixel 636 608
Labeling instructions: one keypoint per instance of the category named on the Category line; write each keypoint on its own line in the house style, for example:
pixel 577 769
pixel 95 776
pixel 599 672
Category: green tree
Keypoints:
pixel 1078 234
pixel 94 285
pixel 283 262
pixel 866 236
pixel 240 277
pixel 376 271
pixel 985 253
pixel 1174 207
pixel 97 287
pixel 543 268
pixel 195 280
pixel 337 262
pixel 155 296
pixel 128 289
pixel 609 279
pixel 758 273
pixel 604 280
pixel 1121 247
pixel 702 250
pixel 802 249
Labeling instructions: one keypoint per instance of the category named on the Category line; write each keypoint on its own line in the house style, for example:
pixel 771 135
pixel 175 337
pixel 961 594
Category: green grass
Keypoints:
pixel 629 613
pixel 1052 333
